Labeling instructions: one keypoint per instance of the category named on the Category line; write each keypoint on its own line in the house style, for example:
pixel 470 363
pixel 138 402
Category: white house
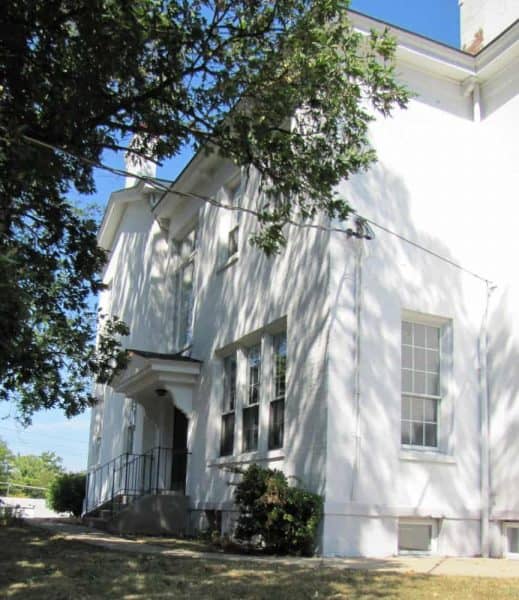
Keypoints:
pixel 398 400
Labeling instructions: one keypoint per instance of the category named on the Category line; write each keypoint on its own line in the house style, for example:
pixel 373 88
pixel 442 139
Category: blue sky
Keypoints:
pixel 51 431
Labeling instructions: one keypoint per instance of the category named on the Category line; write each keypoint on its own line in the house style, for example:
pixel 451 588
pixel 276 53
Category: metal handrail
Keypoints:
pixel 123 479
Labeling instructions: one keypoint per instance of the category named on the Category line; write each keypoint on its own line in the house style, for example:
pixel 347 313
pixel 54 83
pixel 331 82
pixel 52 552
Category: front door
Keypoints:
pixel 179 461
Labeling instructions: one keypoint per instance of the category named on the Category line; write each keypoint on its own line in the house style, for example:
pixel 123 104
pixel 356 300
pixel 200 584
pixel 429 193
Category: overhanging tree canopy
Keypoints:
pixel 285 86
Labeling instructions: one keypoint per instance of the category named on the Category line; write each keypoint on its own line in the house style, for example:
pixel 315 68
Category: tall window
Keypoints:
pixel 130 426
pixel 229 406
pixel 420 384
pixel 232 243
pixel 183 290
pixel 251 410
pixel 277 404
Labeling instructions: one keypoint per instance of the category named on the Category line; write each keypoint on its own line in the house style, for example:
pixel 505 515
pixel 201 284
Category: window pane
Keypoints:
pixel 430 435
pixel 232 243
pixel 407 381
pixel 430 410
pixel 229 383
pixel 416 405
pixel 419 335
pixel 432 387
pixel 419 359
pixel 406 432
pixel 417 434
pixel 254 360
pixel 433 337
pixel 250 428
pixel 276 424
pixel 280 365
pixel 407 357
pixel 414 537
pixel 407 333
pixel 406 407
pixel 433 361
pixel 419 383
pixel 227 435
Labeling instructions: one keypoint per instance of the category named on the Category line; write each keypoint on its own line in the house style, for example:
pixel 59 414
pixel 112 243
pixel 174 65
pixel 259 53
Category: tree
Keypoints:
pixel 66 493
pixel 287 88
pixel 6 461
pixel 32 470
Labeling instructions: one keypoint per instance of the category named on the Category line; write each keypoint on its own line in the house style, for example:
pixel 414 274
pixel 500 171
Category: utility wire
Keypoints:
pixel 166 186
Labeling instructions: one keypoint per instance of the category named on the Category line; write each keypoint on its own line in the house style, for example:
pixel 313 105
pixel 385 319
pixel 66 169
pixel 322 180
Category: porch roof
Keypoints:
pixel 150 373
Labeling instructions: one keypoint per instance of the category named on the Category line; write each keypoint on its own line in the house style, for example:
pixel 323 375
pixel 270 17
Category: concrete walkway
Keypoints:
pixel 473 567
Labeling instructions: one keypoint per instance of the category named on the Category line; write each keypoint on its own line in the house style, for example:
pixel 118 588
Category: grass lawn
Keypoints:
pixel 36 564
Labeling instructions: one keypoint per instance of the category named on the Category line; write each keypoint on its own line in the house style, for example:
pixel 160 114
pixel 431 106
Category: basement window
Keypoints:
pixel 512 540
pixel 416 536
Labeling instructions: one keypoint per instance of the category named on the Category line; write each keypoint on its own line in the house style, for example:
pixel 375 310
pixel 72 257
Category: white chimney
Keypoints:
pixel 137 164
pixel 481 21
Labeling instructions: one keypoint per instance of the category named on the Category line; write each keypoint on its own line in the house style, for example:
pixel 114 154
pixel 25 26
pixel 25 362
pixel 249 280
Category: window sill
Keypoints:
pixel 415 455
pixel 248 457
pixel 230 261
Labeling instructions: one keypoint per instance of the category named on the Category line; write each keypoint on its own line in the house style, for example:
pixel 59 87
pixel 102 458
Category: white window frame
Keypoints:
pixel 182 263
pixel 507 525
pixel 232 194
pixel 433 523
pixel 444 408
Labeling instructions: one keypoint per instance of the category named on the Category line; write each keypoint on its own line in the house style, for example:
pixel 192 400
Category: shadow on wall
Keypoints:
pixel 504 409
pixel 242 299
pixel 397 276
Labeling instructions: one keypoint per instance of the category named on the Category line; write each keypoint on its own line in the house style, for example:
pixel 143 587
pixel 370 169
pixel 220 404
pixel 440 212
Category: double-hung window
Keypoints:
pixel 251 408
pixel 183 290
pixel 277 404
pixel 420 384
pixel 229 406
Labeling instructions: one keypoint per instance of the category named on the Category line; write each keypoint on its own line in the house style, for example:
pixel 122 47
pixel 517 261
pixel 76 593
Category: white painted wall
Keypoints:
pixel 492 16
pixel 445 182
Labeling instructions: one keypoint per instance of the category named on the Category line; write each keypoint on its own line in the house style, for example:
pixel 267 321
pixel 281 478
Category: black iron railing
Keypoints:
pixel 129 476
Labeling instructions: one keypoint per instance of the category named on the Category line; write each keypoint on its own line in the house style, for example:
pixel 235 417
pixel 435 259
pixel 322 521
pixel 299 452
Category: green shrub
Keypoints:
pixel 275 516
pixel 66 493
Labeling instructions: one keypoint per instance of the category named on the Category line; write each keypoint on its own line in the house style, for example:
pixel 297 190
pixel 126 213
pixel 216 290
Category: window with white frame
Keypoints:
pixel 416 536
pixel 232 221
pixel 229 406
pixel 183 291
pixel 420 384
pixel 277 404
pixel 131 420
pixel 251 408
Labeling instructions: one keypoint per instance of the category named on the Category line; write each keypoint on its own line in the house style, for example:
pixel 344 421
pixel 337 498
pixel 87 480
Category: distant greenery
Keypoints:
pixel 28 470
pixel 66 493
pixel 275 516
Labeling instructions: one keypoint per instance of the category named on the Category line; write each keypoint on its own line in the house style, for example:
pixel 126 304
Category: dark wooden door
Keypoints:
pixel 179 461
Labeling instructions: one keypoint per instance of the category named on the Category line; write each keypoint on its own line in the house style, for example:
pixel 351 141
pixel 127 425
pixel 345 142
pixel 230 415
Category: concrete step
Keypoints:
pixel 96 523
pixel 153 515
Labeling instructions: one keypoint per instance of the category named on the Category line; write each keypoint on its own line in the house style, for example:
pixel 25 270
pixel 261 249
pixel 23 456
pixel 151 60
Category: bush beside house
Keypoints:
pixel 275 516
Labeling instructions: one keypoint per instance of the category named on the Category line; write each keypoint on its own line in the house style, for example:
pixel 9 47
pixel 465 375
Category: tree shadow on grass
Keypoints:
pixel 35 564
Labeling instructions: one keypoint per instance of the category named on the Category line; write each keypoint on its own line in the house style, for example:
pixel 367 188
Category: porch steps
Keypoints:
pixel 153 514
